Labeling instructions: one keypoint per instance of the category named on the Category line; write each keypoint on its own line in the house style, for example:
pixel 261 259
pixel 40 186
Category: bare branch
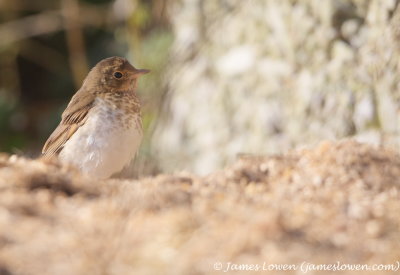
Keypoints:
pixel 75 41
pixel 43 23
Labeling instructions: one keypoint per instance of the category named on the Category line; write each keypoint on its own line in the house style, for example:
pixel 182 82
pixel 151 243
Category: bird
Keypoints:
pixel 101 128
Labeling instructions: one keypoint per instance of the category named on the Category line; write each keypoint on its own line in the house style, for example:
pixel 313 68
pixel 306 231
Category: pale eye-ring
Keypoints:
pixel 117 74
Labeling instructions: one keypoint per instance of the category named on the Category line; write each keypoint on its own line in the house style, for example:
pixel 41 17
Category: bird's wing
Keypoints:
pixel 73 117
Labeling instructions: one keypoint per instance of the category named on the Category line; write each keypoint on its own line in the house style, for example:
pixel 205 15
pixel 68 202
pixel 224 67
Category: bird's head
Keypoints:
pixel 114 74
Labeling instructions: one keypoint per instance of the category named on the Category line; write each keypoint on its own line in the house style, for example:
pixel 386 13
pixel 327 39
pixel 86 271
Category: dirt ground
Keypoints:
pixel 337 203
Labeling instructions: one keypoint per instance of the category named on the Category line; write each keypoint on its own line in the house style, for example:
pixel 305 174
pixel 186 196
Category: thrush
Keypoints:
pixel 101 128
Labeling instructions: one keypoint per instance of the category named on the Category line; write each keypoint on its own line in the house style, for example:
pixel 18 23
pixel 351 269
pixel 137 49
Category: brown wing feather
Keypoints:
pixel 73 117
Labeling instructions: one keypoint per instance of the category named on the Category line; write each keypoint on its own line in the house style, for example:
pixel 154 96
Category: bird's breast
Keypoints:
pixel 107 142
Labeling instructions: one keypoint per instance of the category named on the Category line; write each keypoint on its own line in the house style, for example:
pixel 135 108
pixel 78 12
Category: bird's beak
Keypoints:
pixel 138 72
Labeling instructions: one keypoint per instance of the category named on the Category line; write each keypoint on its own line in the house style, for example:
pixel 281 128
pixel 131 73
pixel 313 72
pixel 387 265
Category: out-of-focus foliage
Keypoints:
pixel 47 48
pixel 263 76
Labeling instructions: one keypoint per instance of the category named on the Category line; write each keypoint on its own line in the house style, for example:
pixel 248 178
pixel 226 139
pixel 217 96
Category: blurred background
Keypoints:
pixel 47 48
pixel 228 76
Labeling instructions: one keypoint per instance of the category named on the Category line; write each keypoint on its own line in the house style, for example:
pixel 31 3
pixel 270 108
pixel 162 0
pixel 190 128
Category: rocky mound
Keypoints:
pixel 337 202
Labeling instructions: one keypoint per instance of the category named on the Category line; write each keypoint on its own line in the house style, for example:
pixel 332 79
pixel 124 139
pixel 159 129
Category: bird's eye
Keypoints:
pixel 117 75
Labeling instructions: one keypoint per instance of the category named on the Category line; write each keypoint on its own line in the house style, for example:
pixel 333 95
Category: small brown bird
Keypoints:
pixel 101 128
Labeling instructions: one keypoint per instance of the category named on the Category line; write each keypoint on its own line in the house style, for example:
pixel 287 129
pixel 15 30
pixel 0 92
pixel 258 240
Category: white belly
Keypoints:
pixel 102 146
